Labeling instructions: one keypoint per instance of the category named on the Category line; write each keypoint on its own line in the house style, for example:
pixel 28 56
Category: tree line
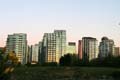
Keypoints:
pixel 73 60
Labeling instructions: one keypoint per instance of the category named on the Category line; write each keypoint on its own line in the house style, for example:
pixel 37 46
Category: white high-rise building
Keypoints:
pixel 54 46
pixel 60 36
pixel 106 47
pixel 34 53
pixel 18 43
pixel 89 48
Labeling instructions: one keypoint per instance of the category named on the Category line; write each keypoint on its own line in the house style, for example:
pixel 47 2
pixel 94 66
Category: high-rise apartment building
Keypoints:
pixel 40 53
pixel 71 48
pixel 18 43
pixel 106 47
pixel 34 53
pixel 117 51
pixel 80 49
pixel 53 46
pixel 29 55
pixel 60 42
pixel 89 48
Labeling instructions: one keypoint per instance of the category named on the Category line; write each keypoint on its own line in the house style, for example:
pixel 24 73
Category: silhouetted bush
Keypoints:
pixel 50 64
pixel 116 75
pixel 69 60
pixel 105 62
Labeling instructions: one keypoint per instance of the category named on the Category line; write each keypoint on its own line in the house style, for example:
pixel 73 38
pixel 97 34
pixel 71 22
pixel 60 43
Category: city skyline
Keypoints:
pixel 80 18
pixel 53 46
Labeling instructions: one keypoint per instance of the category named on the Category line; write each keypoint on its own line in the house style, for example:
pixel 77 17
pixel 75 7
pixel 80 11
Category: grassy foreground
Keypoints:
pixel 65 73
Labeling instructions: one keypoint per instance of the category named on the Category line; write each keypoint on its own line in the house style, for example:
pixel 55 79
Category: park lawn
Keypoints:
pixel 60 73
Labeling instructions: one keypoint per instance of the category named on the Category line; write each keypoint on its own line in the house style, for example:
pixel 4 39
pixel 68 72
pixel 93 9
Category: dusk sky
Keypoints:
pixel 94 18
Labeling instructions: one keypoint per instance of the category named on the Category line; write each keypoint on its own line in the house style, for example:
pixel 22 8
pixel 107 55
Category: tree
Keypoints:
pixel 3 60
pixel 1 64
pixel 7 64
pixel 12 59
pixel 66 60
pixel 109 61
pixel 69 60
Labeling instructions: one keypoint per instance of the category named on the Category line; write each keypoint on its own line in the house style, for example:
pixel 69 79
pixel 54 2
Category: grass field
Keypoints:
pixel 65 73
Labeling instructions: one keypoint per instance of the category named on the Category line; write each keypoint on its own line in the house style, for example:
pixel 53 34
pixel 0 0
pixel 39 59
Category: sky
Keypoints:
pixel 80 18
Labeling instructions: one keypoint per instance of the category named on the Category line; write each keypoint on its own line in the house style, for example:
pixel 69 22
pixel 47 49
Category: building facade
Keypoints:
pixel 34 53
pixel 89 48
pixel 117 51
pixel 29 55
pixel 106 47
pixel 71 48
pixel 40 53
pixel 18 44
pixel 53 46
pixel 80 49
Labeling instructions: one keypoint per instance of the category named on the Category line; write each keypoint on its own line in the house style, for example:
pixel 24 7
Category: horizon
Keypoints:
pixel 89 18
